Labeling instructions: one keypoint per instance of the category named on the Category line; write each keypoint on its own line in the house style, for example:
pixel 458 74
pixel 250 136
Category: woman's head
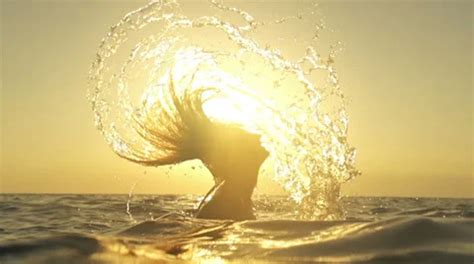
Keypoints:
pixel 184 132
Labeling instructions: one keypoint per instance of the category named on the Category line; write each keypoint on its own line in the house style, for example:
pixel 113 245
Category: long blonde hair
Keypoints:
pixel 179 131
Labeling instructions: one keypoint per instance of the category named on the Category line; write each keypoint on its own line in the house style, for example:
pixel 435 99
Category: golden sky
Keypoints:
pixel 407 68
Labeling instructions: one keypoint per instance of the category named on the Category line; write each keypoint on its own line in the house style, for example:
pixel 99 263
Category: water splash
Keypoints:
pixel 236 67
pixel 129 202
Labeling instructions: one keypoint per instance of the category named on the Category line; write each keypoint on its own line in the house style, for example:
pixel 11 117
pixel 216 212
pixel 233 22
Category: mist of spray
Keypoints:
pixel 243 71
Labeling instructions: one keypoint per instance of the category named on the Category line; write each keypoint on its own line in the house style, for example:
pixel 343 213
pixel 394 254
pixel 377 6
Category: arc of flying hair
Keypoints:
pixel 181 131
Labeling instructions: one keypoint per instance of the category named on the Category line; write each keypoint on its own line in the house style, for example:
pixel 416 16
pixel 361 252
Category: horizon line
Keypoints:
pixel 276 195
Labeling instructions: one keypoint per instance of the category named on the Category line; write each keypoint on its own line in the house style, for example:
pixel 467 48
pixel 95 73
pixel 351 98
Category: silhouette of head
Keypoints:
pixel 232 155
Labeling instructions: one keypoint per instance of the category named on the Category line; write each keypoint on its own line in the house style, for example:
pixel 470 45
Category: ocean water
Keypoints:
pixel 68 228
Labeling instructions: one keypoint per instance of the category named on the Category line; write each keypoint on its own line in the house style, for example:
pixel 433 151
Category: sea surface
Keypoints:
pixel 39 228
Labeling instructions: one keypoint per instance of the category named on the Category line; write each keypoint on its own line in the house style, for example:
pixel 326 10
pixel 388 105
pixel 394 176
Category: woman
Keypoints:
pixel 232 155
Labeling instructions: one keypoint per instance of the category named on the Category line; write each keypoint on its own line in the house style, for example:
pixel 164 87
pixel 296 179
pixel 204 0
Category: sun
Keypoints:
pixel 234 109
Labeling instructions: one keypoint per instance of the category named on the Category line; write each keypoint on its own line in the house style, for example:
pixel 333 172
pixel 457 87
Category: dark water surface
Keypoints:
pixel 160 229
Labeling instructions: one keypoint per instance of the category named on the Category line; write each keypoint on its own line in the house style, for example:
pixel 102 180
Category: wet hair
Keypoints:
pixel 178 130
pixel 181 131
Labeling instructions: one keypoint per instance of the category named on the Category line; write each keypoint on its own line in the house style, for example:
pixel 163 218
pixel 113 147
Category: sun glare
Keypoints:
pixel 236 109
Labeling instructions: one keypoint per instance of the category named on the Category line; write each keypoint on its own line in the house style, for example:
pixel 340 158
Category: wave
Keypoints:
pixel 407 239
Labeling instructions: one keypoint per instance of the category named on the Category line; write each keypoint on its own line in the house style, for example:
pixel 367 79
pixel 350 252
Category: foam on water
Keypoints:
pixel 236 67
